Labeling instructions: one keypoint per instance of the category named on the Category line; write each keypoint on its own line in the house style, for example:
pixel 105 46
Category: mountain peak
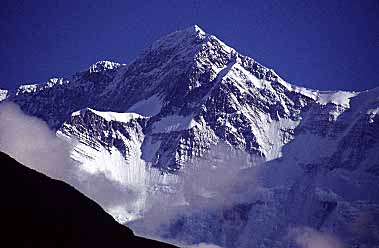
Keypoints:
pixel 183 37
pixel 103 65
pixel 195 29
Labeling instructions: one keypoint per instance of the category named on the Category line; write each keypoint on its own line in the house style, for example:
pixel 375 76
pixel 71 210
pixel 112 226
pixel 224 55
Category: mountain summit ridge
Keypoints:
pixel 192 32
pixel 183 80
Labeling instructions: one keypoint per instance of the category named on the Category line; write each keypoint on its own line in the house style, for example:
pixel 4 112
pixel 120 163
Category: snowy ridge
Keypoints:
pixel 173 123
pixel 110 116
pixel 322 97
pixel 32 88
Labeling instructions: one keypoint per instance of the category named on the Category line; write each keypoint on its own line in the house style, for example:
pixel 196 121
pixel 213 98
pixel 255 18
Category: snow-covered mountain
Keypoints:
pixel 142 123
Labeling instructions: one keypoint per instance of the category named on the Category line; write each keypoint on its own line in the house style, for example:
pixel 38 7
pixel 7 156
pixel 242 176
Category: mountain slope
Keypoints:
pixel 37 211
pixel 144 123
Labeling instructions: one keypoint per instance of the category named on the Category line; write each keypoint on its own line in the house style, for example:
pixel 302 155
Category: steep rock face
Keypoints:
pixel 105 129
pixel 107 137
pixel 37 211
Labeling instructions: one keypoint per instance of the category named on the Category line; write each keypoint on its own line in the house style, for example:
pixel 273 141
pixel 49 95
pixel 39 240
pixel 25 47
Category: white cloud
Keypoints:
pixel 209 182
pixel 30 141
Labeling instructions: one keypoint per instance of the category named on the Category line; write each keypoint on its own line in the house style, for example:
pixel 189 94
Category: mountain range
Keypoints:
pixel 141 124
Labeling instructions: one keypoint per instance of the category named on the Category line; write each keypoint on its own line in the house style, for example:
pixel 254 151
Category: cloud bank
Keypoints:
pixel 30 141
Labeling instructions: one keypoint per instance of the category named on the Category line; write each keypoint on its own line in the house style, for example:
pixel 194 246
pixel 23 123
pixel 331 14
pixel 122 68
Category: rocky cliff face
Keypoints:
pixel 188 92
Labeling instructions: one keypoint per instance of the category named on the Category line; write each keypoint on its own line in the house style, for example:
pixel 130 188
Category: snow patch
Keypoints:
pixel 147 107
pixel 339 98
pixel 113 116
pixel 372 113
pixel 258 83
pixel 53 81
pixel 103 66
pixel 76 113
pixel 3 94
pixel 197 29
pixel 28 88
pixel 110 116
pixel 173 123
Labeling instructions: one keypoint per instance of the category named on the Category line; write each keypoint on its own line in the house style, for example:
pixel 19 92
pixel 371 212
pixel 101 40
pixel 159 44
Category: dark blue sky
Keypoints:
pixel 318 44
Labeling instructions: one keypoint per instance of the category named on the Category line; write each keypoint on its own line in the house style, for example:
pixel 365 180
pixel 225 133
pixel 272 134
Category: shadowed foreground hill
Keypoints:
pixel 37 211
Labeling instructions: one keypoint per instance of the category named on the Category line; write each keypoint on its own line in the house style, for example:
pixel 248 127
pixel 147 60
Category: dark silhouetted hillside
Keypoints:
pixel 37 211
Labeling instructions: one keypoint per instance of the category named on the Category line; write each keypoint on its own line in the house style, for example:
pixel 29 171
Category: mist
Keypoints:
pixel 306 237
pixel 214 179
pixel 217 182
pixel 30 141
